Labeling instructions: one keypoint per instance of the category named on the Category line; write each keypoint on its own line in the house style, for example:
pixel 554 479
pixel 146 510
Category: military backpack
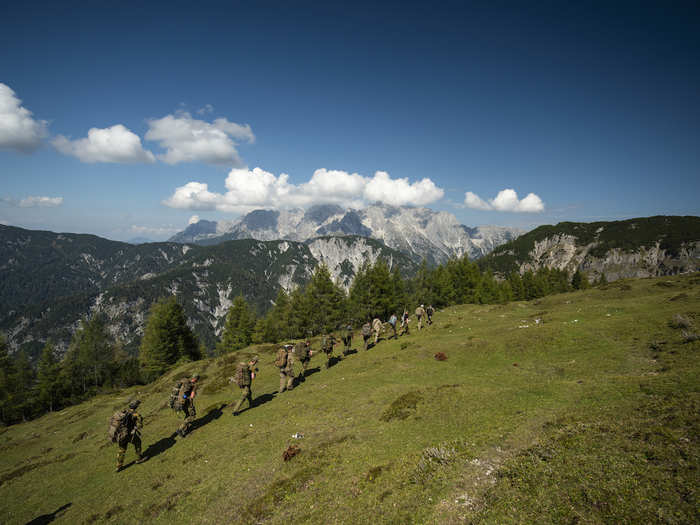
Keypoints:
pixel 118 426
pixel 281 359
pixel 302 351
pixel 366 329
pixel 242 378
pixel 179 394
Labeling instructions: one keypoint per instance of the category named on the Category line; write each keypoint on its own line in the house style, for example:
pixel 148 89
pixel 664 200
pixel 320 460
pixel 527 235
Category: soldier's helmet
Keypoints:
pixel 134 404
pixel 254 359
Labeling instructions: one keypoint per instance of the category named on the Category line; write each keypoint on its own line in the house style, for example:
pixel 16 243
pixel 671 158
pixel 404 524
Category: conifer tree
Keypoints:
pixel 577 280
pixel 238 330
pixel 166 338
pixel 325 301
pixel 7 372
pixel 48 385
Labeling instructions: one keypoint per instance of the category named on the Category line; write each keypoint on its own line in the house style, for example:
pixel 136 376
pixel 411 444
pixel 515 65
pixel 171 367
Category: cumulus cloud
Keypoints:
pixel 257 188
pixel 187 139
pixel 40 202
pixel 193 220
pixel 18 129
pixel 115 144
pixel 506 200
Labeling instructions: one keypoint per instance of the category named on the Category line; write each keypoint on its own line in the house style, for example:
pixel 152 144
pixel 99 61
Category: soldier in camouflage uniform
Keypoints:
pixel 347 340
pixel 366 333
pixel 303 354
pixel 429 311
pixel 245 373
pixel 377 329
pixel 392 322
pixel 286 365
pixel 420 314
pixel 190 391
pixel 130 433
pixel 327 344
pixel 404 323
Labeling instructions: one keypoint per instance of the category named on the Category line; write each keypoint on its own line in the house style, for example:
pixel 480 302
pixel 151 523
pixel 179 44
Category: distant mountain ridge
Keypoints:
pixel 642 247
pixel 49 281
pixel 420 233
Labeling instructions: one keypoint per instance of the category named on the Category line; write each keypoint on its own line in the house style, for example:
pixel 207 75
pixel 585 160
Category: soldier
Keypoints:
pixel 303 354
pixel 347 339
pixel 376 328
pixel 366 332
pixel 285 362
pixel 420 313
pixel 125 428
pixel 404 322
pixel 327 344
pixel 245 373
pixel 392 322
pixel 186 395
pixel 429 311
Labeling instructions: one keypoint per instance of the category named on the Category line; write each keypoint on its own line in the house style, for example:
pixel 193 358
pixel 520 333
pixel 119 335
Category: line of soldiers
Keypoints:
pixel 185 390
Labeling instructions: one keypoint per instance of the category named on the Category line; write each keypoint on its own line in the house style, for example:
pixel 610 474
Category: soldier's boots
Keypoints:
pixel 119 468
pixel 141 459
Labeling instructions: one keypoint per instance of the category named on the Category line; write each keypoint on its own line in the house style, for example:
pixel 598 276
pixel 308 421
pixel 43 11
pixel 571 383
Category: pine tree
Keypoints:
pixel 238 330
pixel 7 372
pixel 325 301
pixel 48 386
pixel 577 280
pixel 166 339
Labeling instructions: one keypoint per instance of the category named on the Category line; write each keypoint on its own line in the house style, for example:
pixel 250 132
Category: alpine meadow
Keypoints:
pixel 577 407
pixel 350 263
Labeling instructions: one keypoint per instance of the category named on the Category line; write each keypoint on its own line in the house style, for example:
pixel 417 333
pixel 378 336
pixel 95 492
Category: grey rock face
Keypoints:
pixel 417 232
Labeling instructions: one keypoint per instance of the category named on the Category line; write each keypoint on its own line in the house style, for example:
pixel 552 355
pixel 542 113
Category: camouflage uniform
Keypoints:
pixel 392 323
pixel 328 343
pixel 132 434
pixel 366 333
pixel 404 323
pixel 287 371
pixel 420 313
pixel 429 311
pixel 247 373
pixel 347 339
pixel 188 407
pixel 376 328
pixel 303 354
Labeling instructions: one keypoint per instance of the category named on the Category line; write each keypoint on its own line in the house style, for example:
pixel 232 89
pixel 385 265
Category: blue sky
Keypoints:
pixel 594 109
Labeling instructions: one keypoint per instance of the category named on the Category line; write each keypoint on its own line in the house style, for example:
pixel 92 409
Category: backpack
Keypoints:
pixel 302 351
pixel 419 312
pixel 179 394
pixel 242 378
pixel 118 426
pixel 392 320
pixel 281 360
pixel 366 329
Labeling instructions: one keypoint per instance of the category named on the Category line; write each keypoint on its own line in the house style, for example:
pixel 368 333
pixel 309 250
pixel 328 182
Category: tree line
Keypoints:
pixel 95 363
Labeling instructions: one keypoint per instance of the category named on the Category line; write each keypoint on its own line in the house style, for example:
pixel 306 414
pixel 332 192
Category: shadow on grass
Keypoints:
pixel 211 415
pixel 159 447
pixel 260 400
pixel 349 352
pixel 48 518
pixel 312 371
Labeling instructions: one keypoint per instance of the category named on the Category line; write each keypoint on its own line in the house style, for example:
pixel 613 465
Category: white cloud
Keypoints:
pixel 399 192
pixel 472 200
pixel 187 139
pixel 194 219
pixel 40 202
pixel 208 108
pixel 18 130
pixel 153 230
pixel 257 188
pixel 506 200
pixel 114 144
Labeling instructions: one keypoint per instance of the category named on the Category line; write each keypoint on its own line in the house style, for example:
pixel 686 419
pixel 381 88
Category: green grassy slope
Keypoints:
pixel 589 416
